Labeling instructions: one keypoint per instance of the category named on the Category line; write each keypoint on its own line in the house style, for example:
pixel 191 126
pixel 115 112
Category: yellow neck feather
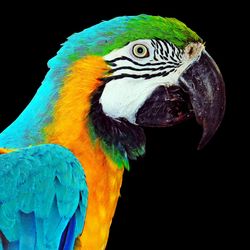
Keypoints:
pixel 69 128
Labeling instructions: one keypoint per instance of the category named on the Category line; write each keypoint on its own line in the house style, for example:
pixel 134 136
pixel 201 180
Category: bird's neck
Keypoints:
pixel 59 114
pixel 63 112
pixel 70 128
pixel 28 128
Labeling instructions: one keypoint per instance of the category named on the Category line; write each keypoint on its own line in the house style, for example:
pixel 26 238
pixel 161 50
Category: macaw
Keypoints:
pixel 62 160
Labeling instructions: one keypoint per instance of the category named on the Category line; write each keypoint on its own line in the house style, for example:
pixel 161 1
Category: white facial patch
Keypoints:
pixel 123 98
pixel 133 79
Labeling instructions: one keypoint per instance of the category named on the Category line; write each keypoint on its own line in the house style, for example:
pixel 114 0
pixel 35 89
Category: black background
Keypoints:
pixel 175 197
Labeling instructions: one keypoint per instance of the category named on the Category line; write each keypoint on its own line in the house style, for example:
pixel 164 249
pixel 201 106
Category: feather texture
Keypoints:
pixel 46 188
pixel 43 196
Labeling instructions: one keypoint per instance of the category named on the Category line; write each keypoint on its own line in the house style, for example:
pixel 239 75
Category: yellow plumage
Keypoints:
pixel 70 129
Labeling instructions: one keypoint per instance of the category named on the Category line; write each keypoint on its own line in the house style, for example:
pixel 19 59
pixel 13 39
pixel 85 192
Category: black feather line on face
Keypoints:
pixel 119 133
pixel 127 138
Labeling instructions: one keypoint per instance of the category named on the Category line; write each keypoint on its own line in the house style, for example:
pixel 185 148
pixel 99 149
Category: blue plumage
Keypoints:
pixel 46 189
pixel 26 130
pixel 68 239
pixel 28 127
pixel 46 184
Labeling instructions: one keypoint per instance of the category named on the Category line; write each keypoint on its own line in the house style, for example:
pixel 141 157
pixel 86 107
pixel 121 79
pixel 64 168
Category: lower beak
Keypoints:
pixel 205 86
pixel 200 91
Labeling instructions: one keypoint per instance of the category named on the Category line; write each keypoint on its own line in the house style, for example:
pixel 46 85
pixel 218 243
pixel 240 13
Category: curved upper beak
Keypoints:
pixel 205 86
pixel 199 91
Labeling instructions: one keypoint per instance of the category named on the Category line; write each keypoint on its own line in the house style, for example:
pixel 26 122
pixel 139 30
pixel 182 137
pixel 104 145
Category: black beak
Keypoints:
pixel 205 86
pixel 200 91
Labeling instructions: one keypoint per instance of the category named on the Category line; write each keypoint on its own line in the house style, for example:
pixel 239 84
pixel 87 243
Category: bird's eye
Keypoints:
pixel 140 51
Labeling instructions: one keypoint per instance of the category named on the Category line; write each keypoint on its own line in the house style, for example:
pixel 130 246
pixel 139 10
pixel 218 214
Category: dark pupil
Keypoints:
pixel 140 50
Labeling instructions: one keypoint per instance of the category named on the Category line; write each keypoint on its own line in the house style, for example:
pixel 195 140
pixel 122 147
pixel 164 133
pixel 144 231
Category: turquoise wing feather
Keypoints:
pixel 43 198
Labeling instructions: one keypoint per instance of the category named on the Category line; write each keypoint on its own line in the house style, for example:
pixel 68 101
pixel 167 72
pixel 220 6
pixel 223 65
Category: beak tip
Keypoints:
pixel 204 141
pixel 200 146
pixel 205 85
pixel 208 132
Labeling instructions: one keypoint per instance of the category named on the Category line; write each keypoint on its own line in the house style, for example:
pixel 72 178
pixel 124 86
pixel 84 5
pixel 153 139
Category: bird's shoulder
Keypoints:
pixel 40 179
pixel 44 159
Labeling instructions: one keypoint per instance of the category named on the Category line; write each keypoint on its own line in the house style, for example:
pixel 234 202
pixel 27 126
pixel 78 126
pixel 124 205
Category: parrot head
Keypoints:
pixel 158 74
pixel 105 85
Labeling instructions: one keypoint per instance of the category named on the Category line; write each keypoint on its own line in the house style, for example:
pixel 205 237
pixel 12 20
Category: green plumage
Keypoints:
pixel 148 27
pixel 43 189
pixel 106 36
pixel 114 34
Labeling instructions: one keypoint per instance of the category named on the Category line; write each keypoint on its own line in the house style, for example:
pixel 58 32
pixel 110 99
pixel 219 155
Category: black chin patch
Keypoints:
pixel 166 107
pixel 117 134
